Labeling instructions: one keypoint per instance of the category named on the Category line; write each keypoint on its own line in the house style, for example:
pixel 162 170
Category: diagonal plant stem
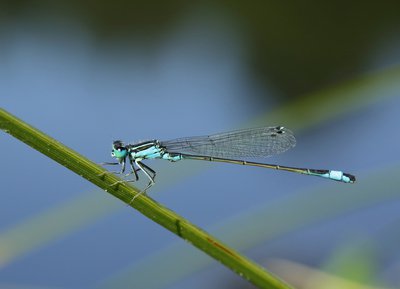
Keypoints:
pixel 147 206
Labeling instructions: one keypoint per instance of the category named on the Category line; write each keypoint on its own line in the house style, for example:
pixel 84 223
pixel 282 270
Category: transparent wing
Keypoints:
pixel 254 142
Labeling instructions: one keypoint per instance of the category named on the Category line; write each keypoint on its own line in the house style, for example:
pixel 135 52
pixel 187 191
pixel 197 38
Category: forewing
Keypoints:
pixel 255 142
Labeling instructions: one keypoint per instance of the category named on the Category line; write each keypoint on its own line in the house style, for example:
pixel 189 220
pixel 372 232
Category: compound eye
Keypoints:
pixel 119 152
pixel 118 144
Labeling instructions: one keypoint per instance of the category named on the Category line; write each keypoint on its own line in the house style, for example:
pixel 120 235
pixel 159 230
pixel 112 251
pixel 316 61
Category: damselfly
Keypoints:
pixel 223 147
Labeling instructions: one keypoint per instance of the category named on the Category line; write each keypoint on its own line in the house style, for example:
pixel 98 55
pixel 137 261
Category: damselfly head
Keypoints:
pixel 119 151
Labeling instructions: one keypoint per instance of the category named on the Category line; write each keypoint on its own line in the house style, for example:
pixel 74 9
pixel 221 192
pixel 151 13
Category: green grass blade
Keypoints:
pixel 148 207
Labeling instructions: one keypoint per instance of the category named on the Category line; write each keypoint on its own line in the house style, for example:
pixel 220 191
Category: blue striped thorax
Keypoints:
pixel 147 150
pixel 151 150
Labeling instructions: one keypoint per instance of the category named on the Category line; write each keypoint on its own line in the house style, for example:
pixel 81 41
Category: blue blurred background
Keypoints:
pixel 87 73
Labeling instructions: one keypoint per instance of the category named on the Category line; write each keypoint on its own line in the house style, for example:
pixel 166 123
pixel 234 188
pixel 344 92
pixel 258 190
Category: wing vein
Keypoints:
pixel 254 142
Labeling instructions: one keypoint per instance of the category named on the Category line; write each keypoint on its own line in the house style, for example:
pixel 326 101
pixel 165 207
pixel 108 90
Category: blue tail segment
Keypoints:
pixel 333 175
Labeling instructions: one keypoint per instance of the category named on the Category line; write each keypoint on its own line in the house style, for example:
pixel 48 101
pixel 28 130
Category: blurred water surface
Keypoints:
pixel 192 77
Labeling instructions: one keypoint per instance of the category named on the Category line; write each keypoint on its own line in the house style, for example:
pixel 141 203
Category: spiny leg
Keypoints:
pixel 123 163
pixel 116 173
pixel 147 171
pixel 113 164
pixel 133 171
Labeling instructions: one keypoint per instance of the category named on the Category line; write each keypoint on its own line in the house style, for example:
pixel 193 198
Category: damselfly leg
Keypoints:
pixel 150 174
pixel 121 172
